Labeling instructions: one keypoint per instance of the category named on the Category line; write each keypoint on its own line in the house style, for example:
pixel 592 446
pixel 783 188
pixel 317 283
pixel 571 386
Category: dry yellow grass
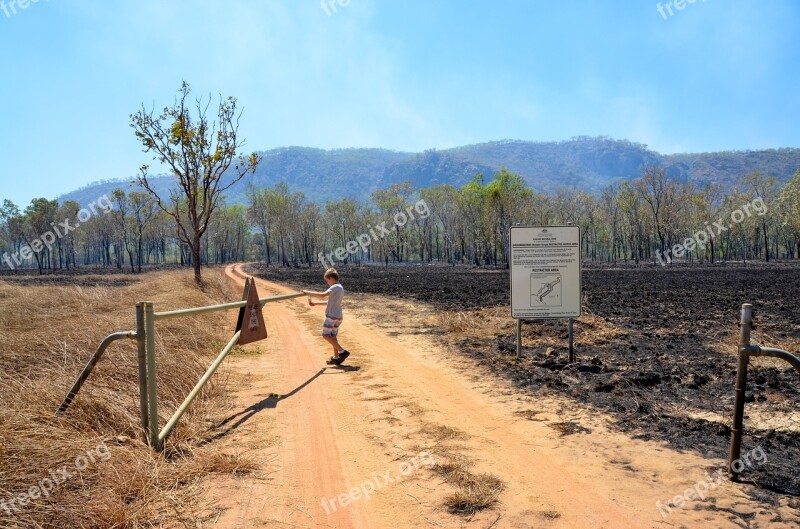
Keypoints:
pixel 491 322
pixel 474 492
pixel 47 333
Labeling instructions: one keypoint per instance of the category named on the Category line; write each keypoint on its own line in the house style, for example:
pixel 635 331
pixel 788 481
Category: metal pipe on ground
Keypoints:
pixel 98 354
pixel 755 350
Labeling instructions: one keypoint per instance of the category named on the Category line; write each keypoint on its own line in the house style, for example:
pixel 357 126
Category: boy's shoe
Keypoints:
pixel 342 355
pixel 337 360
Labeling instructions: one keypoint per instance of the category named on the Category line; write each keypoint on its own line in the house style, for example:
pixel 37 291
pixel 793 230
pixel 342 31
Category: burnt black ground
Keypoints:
pixel 661 364
pixel 84 276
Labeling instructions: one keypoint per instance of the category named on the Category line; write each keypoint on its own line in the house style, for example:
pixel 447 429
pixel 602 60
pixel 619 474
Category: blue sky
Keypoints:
pixel 400 74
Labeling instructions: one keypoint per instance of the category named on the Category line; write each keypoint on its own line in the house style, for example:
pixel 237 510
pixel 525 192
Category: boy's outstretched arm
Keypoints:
pixel 312 294
pixel 321 295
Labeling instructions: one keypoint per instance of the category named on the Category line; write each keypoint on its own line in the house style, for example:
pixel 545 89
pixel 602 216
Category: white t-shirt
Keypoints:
pixel 334 307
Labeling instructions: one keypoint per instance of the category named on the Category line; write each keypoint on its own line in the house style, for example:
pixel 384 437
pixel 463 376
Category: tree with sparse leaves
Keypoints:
pixel 199 151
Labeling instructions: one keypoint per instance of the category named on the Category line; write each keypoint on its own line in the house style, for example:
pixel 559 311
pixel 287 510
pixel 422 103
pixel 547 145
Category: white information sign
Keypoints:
pixel 545 272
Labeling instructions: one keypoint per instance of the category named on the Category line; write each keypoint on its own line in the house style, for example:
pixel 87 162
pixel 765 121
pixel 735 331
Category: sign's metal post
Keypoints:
pixel 571 342
pixel 519 338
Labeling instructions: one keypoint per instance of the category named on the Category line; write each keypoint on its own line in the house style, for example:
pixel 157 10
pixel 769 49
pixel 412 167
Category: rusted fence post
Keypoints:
pixel 745 328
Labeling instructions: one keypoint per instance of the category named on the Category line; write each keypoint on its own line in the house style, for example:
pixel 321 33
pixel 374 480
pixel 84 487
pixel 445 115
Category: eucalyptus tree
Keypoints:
pixel 471 199
pixel 789 208
pixel 260 215
pixel 761 186
pixel 65 244
pixel 666 198
pixel 40 217
pixel 633 212
pixel 392 204
pixel 199 150
pixel 507 195
pixel 442 202
pixel 11 231
pixel 609 206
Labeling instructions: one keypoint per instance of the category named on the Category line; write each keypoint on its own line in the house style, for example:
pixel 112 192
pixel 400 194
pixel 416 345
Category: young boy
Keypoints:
pixel 333 314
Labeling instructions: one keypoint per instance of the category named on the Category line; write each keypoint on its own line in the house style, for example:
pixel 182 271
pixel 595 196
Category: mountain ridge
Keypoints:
pixel 587 163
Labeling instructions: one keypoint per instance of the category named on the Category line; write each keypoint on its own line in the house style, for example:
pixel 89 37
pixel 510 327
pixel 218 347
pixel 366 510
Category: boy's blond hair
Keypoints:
pixel 331 272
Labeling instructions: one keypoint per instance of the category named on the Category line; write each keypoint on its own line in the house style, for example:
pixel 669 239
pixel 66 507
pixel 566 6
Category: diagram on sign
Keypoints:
pixel 545 290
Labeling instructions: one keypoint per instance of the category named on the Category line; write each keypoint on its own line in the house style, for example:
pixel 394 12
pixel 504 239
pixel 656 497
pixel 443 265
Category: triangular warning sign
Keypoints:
pixel 251 320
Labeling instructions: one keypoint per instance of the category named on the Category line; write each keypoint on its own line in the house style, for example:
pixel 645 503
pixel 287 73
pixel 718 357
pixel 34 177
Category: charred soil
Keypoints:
pixel 656 348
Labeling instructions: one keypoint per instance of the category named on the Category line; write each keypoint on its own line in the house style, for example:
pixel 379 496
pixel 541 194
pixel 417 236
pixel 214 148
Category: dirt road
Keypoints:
pixel 352 447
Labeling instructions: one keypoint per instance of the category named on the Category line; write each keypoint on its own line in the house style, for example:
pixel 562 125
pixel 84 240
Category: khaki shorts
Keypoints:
pixel 331 326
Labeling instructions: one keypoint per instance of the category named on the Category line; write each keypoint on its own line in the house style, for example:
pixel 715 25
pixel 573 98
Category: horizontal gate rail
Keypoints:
pixel 224 306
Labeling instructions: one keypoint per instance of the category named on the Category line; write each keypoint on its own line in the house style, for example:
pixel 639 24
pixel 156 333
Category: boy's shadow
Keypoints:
pixel 344 368
pixel 269 402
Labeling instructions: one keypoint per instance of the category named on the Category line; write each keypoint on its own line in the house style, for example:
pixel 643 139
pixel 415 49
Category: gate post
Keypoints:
pixel 152 393
pixel 141 357
pixel 746 325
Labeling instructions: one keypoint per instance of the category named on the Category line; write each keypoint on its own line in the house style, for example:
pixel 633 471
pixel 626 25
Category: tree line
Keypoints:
pixel 649 219
pixel 652 218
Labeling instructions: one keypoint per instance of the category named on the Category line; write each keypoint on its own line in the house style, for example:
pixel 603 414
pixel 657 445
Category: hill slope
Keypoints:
pixel 583 162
